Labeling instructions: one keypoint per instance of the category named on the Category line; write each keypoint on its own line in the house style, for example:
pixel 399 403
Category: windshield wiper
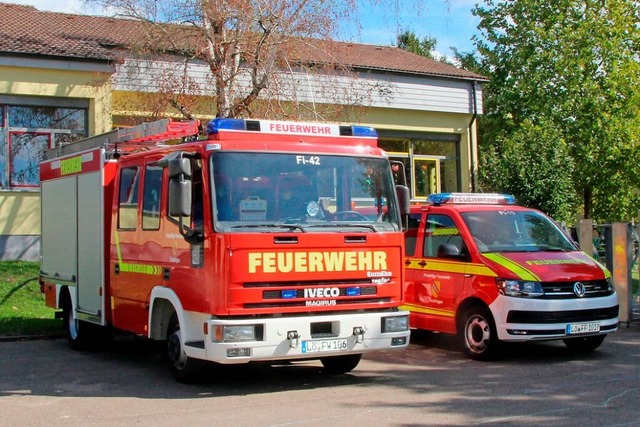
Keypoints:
pixel 344 225
pixel 288 226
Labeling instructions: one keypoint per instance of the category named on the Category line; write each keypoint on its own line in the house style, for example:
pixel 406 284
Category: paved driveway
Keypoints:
pixel 44 383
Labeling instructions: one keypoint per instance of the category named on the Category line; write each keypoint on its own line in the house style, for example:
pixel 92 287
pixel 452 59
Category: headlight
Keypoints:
pixel 520 288
pixel 395 324
pixel 610 286
pixel 237 333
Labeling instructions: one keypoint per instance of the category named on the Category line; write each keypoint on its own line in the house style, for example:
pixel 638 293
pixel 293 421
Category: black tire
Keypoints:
pixel 340 364
pixel 584 344
pixel 183 368
pixel 78 332
pixel 477 333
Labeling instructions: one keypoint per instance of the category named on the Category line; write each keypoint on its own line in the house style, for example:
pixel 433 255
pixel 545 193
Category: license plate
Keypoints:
pixel 583 328
pixel 320 346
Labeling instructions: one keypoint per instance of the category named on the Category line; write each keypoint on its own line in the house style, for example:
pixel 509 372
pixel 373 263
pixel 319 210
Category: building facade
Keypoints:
pixel 64 77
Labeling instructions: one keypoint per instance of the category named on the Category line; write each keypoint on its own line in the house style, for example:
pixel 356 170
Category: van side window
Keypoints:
pixel 151 199
pixel 411 235
pixel 128 198
pixel 440 230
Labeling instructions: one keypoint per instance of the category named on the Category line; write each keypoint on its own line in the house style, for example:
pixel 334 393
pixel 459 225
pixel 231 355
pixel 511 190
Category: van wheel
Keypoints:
pixel 340 364
pixel 584 344
pixel 184 368
pixel 477 333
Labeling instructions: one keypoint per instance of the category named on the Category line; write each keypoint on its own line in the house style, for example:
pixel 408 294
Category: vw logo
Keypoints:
pixel 579 289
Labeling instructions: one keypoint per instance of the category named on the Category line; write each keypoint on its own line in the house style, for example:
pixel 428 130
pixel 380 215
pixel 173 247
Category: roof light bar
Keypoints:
pixel 472 198
pixel 219 124
pixel 289 128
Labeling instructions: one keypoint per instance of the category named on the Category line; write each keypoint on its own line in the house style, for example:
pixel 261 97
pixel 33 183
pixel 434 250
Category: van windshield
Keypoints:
pixel 516 231
pixel 302 193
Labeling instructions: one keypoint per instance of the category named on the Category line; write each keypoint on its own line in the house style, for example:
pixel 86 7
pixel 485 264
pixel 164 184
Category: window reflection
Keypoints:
pixel 27 150
pixel 27 132
pixel 47 118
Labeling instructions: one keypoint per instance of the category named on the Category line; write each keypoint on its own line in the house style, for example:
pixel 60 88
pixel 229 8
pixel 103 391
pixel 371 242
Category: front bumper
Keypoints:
pixel 523 319
pixel 290 338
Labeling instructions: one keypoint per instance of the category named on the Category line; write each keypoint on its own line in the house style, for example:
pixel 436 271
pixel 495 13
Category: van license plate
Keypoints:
pixel 583 328
pixel 320 346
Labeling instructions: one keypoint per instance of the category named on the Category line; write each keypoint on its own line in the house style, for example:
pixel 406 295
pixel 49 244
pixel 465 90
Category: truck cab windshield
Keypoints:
pixel 516 231
pixel 302 193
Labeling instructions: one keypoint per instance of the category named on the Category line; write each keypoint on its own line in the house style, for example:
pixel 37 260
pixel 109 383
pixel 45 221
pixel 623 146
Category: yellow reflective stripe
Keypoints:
pixel 450 267
pixel 522 272
pixel 126 267
pixel 425 310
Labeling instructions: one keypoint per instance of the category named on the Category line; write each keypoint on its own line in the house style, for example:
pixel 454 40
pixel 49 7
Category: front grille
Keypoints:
pixel 317 303
pixel 290 285
pixel 542 317
pixel 363 290
pixel 564 290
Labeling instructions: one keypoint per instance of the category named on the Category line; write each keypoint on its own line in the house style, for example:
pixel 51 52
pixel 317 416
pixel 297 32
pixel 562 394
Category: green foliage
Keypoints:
pixel 573 65
pixel 533 164
pixel 22 307
pixel 408 40
pixel 469 61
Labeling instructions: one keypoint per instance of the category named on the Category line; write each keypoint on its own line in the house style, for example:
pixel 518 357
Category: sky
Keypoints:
pixel 450 22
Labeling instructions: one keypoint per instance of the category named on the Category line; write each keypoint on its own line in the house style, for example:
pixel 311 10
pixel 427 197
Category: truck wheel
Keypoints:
pixel 340 364
pixel 584 344
pixel 183 368
pixel 77 331
pixel 477 333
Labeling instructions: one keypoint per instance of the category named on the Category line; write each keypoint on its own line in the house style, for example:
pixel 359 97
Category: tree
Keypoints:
pixel 251 48
pixel 572 65
pixel 534 165
pixel 408 40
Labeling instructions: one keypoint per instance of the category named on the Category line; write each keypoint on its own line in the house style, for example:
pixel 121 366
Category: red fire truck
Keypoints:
pixel 265 241
pixel 489 271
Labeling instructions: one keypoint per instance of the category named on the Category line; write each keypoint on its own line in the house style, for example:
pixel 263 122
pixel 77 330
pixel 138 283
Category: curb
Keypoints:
pixel 52 336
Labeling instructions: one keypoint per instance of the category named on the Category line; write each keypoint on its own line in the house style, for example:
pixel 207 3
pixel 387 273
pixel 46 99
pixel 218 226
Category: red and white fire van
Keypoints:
pixel 265 241
pixel 489 271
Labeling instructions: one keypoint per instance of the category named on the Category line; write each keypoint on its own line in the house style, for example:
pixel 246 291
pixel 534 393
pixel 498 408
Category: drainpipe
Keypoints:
pixel 474 106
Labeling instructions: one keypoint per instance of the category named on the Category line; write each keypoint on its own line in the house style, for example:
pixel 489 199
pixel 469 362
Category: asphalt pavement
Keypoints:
pixel 45 383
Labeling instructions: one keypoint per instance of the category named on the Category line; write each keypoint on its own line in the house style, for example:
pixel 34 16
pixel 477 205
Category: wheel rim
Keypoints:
pixel 174 350
pixel 72 326
pixel 477 334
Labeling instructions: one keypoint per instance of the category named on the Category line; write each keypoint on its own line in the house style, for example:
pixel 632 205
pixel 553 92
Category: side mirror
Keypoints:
pixel 179 197
pixel 403 199
pixel 405 204
pixel 177 163
pixel 448 250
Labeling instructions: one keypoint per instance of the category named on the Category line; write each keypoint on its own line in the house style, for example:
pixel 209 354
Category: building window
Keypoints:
pixel 28 131
pixel 431 160
pixel 26 150
pixel 72 119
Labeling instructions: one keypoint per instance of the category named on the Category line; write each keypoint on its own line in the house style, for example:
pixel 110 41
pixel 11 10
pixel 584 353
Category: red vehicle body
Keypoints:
pixel 246 246
pixel 489 271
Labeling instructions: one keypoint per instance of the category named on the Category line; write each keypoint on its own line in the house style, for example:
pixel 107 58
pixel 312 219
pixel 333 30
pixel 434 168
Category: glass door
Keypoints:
pixel 425 176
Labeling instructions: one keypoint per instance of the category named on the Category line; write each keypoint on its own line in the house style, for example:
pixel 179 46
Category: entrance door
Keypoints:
pixel 426 176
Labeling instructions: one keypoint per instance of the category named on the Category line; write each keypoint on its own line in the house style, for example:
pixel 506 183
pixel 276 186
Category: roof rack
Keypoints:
pixel 132 139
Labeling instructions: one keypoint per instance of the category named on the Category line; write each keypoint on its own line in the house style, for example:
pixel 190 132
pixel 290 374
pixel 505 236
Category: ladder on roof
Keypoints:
pixel 132 139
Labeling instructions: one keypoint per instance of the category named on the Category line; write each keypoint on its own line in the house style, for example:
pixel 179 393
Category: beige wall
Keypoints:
pixel 63 84
pixel 20 212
